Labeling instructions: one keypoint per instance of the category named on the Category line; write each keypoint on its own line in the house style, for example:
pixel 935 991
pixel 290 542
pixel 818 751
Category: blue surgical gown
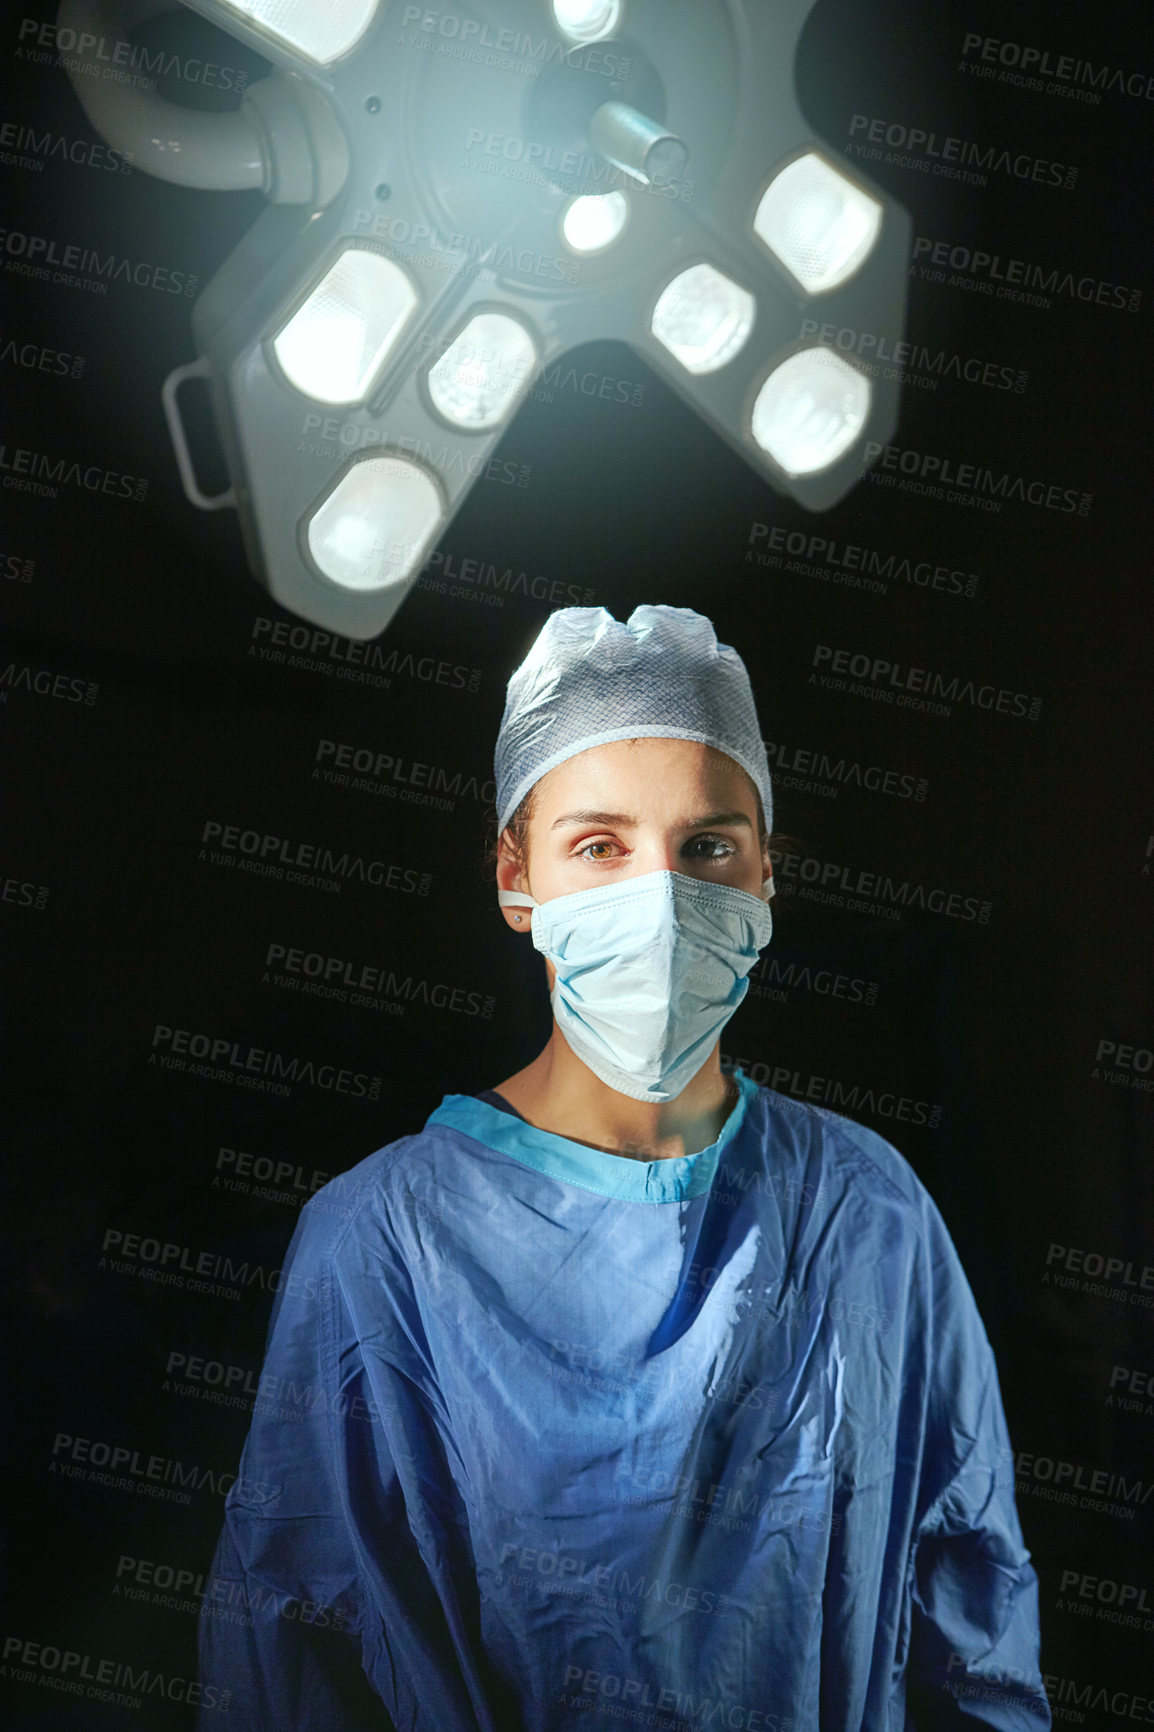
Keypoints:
pixel 552 1439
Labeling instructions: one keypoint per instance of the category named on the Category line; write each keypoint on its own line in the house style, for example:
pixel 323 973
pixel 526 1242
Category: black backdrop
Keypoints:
pixel 959 956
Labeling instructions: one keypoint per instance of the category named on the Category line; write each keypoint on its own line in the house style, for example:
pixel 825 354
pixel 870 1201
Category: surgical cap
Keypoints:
pixel 590 679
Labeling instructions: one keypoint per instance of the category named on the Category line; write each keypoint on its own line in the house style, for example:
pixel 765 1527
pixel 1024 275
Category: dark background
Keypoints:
pixel 988 1031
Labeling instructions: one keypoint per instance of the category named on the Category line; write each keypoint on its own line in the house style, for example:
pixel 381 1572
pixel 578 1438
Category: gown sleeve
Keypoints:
pixel 974 1636
pixel 284 1624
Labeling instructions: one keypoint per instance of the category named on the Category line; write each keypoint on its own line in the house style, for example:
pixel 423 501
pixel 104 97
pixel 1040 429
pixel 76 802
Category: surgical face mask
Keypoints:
pixel 648 972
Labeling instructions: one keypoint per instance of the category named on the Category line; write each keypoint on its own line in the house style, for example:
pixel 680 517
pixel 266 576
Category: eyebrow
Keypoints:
pixel 622 820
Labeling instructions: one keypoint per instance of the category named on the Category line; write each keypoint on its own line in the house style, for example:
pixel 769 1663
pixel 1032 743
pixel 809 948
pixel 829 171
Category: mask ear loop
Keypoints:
pixel 515 899
pixel 767 889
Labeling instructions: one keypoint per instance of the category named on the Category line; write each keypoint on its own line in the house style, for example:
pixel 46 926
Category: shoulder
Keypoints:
pixel 869 1206
pixel 846 1158
pixel 349 1240
pixel 395 1181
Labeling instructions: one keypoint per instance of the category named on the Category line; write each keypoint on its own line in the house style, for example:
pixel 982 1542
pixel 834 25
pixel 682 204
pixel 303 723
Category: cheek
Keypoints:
pixel 550 875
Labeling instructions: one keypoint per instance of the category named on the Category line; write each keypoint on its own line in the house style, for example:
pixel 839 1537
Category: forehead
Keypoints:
pixel 651 779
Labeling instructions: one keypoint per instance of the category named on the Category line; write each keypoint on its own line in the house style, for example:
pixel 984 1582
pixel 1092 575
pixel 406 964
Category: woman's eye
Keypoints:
pixel 597 850
pixel 711 848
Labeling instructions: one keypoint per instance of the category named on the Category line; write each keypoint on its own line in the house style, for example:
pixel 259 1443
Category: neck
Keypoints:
pixel 558 1092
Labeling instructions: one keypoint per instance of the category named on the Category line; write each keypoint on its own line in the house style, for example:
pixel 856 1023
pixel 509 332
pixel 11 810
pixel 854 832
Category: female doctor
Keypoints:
pixel 637 1394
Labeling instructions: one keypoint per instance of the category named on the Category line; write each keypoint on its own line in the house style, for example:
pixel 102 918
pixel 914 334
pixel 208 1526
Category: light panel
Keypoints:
pixel 335 344
pixel 703 318
pixel 377 524
pixel 439 235
pixel 819 224
pixel 810 411
pixel 323 32
pixel 594 221
pixel 587 20
pixel 483 371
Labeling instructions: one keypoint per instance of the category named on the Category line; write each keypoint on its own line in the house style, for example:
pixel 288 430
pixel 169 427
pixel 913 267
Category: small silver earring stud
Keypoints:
pixel 517 919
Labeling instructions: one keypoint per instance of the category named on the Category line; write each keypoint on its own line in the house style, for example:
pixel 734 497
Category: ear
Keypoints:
pixel 511 876
pixel 766 872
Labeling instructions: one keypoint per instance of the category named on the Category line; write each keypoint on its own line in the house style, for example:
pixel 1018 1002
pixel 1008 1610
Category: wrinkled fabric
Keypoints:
pixel 552 1439
pixel 660 674
pixel 647 972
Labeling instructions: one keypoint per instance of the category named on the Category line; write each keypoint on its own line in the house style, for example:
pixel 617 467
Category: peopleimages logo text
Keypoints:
pixel 39 358
pixel 41 251
pixel 974 478
pixel 28 471
pixel 1078 1476
pixel 807 767
pixel 875 349
pixel 370 983
pixel 545 50
pixel 310 863
pixel 1039 63
pixel 855 564
pixel 831 881
pixel 318 650
pixel 1017 280
pixel 220 1056
pixel 419 781
pixel 71 1673
pixel 23 147
pixel 955 158
pixel 112 54
pixel 883 677
pixel 46 683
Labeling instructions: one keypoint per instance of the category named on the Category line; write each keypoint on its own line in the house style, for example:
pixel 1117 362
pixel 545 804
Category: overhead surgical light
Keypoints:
pixel 379 519
pixel 703 318
pixel 455 200
pixel 587 20
pixel 483 371
pixel 322 30
pixel 820 225
pixel 333 346
pixel 810 410
pixel 594 220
